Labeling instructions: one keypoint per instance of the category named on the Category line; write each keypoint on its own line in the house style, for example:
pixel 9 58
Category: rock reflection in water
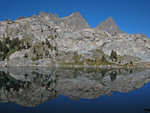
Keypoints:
pixel 33 86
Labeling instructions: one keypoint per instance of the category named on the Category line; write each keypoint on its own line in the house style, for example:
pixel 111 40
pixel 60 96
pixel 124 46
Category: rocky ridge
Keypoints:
pixel 109 26
pixel 57 41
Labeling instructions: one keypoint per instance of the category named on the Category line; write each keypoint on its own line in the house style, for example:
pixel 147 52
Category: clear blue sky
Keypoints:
pixel 132 16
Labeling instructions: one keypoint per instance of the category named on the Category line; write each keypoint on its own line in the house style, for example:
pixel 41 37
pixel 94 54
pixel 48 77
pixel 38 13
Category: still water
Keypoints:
pixel 74 90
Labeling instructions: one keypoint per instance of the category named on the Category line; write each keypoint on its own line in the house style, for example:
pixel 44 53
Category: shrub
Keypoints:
pixel 55 48
pixel 5 49
pixel 119 61
pixel 7 40
pixel 28 45
pixel 2 56
pixel 34 50
pixel 15 43
pixel 43 42
pixel 10 52
pixel 48 43
pixel 131 62
pixel 34 58
pixel 46 53
pixel 1 46
pixel 25 55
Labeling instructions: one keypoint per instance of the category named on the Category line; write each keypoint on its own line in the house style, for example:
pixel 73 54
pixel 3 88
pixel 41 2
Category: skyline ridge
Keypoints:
pixel 110 18
pixel 131 16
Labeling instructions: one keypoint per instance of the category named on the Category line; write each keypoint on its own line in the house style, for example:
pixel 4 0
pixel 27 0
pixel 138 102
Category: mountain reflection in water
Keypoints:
pixel 33 87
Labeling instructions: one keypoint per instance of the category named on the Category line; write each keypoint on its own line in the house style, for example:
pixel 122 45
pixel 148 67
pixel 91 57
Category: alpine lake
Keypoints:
pixel 74 90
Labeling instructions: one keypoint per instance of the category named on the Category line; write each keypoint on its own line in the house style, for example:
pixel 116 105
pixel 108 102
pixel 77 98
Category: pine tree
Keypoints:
pixel 103 58
pixel 34 50
pixel 113 55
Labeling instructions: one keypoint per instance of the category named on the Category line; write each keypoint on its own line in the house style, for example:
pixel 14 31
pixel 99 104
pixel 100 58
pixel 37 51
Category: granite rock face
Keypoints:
pixel 75 22
pixel 70 36
pixel 109 26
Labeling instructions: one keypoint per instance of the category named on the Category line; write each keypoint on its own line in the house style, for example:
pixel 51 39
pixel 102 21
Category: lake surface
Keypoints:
pixel 74 90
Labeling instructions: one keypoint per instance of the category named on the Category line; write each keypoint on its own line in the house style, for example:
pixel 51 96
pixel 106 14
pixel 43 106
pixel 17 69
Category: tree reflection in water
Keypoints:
pixel 33 86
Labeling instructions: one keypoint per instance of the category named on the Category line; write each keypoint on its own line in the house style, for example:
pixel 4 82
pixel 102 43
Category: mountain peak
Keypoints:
pixel 110 19
pixel 75 21
pixel 42 13
pixel 109 26
pixel 76 13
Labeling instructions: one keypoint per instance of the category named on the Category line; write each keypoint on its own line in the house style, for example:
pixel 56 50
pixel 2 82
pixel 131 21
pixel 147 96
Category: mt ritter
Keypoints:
pixel 47 40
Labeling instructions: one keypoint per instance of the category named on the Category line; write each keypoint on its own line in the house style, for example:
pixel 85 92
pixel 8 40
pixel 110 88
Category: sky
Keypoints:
pixel 132 16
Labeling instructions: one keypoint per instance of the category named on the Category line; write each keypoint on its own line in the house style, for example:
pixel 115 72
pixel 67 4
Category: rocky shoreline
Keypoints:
pixel 47 63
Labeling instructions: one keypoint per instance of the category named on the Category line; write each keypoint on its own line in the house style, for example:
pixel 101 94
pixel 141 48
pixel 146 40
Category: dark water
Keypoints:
pixel 60 90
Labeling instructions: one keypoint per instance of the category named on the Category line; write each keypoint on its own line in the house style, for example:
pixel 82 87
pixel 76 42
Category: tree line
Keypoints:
pixel 113 56
pixel 8 46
